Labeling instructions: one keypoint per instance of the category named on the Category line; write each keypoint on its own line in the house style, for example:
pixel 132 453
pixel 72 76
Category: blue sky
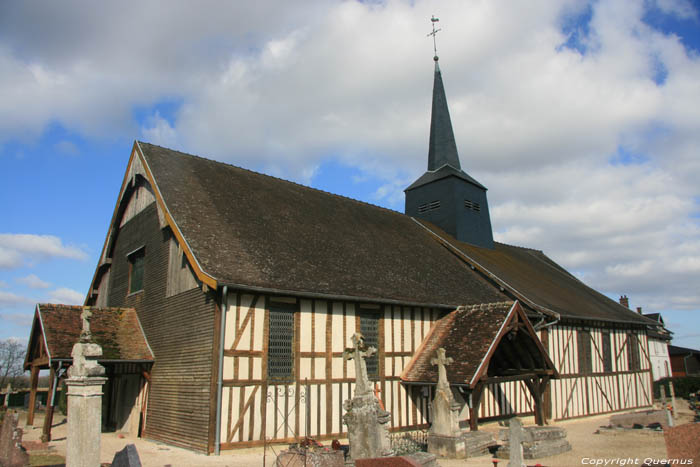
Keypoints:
pixel 582 119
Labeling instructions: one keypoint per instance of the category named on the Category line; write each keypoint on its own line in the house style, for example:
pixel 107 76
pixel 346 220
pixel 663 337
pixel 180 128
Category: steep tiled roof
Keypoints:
pixel 254 230
pixel 466 335
pixel 540 281
pixel 116 330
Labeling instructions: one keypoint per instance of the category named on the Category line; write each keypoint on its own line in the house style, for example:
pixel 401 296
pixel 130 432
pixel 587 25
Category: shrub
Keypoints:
pixel 682 386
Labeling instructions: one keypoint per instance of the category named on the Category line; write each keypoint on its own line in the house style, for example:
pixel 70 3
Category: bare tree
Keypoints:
pixel 11 360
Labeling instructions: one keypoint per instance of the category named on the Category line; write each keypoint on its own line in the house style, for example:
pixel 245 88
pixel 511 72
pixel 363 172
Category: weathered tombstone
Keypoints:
pixel 367 422
pixel 516 443
pixel 85 380
pixel 127 457
pixel 8 390
pixel 444 437
pixel 11 452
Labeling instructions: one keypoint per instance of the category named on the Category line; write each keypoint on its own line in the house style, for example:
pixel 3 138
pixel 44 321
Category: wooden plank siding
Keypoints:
pixel 179 330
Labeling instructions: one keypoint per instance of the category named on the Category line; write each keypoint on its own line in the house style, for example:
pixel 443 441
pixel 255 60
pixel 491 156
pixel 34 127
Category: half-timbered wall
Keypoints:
pixel 310 403
pixel 600 391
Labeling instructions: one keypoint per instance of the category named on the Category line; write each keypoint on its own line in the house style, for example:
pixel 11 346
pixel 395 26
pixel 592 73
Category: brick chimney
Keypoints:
pixel 624 301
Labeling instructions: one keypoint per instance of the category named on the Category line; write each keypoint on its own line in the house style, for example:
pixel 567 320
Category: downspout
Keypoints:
pixel 220 377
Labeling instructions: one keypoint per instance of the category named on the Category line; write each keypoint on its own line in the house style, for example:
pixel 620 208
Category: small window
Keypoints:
pixel 633 352
pixel 369 327
pixel 280 349
pixel 136 266
pixel 607 353
pixel 584 352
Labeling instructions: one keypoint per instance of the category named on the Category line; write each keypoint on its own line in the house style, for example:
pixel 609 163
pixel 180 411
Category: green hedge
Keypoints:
pixel 683 386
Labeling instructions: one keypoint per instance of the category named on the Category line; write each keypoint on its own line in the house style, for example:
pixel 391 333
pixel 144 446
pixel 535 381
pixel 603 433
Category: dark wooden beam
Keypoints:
pixel 32 394
pixel 474 409
pixel 48 418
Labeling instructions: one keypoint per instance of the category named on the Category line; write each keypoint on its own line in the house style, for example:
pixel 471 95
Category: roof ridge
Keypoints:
pixel 276 178
pixel 519 247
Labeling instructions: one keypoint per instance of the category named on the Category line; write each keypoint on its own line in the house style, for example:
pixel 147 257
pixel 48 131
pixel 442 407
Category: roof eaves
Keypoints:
pixel 43 333
pixel 326 296
pixel 203 275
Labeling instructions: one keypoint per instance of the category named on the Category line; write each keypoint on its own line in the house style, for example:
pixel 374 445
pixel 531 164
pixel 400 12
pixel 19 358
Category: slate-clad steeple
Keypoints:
pixel 442 149
pixel 445 195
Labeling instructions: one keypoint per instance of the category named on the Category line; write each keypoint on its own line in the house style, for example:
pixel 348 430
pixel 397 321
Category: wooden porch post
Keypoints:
pixel 32 394
pixel 474 409
pixel 536 387
pixel 48 418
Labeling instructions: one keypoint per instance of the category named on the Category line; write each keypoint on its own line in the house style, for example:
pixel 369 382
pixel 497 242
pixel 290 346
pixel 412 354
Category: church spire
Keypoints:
pixel 445 195
pixel 442 149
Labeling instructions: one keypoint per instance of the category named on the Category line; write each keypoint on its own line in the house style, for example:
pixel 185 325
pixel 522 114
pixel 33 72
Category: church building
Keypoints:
pixel 248 288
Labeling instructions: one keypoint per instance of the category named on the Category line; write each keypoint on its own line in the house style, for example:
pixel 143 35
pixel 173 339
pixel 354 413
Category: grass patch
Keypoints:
pixel 46 460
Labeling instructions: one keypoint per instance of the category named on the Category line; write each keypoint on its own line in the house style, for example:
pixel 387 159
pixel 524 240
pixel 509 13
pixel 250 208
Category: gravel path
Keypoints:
pixel 587 446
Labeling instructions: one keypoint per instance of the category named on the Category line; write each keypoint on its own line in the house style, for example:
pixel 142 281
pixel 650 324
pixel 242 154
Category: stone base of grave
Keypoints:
pixel 367 424
pixel 538 441
pixel 468 444
pixel 295 457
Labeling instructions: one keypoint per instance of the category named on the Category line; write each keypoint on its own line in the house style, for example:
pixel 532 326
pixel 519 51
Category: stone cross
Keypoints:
pixel 441 360
pixel 359 353
pixel 85 334
pixel 516 443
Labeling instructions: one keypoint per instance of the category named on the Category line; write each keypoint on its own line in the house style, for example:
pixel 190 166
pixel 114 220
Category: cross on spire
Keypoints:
pixel 434 33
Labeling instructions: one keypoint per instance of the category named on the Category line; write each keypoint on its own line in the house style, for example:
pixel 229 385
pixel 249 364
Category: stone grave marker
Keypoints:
pixel 127 457
pixel 367 422
pixel 85 380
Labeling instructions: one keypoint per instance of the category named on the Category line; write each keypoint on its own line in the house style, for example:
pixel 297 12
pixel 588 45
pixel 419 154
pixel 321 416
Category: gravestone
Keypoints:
pixel 85 380
pixel 515 431
pixel 367 422
pixel 8 390
pixel 535 442
pixel 11 452
pixel 127 457
pixel 444 437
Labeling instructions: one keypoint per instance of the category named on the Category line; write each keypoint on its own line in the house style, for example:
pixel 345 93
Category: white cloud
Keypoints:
pixel 19 249
pixel 33 281
pixel 66 296
pixel 159 131
pixel 9 299
pixel 284 86
pixel 19 319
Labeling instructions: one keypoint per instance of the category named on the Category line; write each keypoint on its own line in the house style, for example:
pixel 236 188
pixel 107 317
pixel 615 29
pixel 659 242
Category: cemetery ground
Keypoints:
pixel 587 446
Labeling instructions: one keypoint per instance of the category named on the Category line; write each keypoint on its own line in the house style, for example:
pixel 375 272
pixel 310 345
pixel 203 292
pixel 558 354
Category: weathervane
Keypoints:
pixel 434 33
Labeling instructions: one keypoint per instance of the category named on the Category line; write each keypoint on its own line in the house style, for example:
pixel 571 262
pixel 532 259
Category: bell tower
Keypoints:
pixel 445 195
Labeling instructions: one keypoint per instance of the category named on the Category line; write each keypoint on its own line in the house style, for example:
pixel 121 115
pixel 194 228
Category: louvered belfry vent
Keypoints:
pixel 280 365
pixel 474 206
pixel 432 206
